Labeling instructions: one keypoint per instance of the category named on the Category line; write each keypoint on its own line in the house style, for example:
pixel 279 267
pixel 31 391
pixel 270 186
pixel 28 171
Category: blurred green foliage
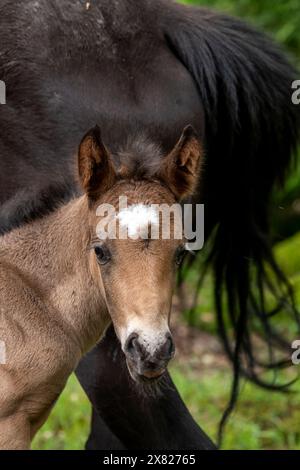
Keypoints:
pixel 280 17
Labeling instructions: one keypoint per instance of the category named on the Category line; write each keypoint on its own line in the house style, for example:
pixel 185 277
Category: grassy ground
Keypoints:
pixel 262 420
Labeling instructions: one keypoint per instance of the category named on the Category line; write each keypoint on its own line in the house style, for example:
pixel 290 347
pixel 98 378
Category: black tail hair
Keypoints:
pixel 252 129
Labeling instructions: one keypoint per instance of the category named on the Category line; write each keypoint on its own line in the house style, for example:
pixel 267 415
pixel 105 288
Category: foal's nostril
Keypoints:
pixel 169 347
pixel 149 359
pixel 131 343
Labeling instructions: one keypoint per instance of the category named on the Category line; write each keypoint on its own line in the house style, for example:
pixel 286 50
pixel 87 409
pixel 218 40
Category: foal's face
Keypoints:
pixel 136 273
pixel 137 277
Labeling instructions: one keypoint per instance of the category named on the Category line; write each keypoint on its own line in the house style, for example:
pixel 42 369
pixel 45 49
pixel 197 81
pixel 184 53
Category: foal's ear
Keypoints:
pixel 96 170
pixel 181 168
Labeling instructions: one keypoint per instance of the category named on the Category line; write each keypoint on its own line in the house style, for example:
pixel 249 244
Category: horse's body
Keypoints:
pixel 147 67
pixel 125 95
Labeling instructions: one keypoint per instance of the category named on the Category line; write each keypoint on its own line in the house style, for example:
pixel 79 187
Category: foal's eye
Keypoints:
pixel 179 255
pixel 103 254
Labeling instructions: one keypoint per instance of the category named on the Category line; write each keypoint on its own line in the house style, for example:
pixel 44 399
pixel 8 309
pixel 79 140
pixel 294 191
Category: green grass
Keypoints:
pixel 262 420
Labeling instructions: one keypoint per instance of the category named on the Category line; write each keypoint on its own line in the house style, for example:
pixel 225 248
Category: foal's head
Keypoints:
pixel 135 270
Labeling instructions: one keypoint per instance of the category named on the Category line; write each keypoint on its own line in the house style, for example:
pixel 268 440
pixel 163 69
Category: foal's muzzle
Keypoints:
pixel 145 361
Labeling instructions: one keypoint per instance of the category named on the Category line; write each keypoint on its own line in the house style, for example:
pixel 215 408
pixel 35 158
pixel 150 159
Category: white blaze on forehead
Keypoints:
pixel 137 218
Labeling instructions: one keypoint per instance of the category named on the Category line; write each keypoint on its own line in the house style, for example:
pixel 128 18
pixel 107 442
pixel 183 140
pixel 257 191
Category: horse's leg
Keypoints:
pixel 15 432
pixel 126 414
pixel 101 437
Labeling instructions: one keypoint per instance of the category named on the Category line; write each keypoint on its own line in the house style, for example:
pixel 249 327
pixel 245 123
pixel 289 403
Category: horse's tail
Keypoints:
pixel 252 129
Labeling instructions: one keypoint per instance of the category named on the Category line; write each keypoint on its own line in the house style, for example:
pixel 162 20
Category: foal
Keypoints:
pixel 61 285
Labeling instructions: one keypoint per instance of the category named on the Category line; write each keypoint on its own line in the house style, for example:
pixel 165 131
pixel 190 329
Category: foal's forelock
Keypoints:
pixel 139 159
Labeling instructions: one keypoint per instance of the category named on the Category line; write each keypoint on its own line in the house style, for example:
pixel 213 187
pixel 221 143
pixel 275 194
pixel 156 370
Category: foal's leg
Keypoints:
pixel 15 432
pixel 123 414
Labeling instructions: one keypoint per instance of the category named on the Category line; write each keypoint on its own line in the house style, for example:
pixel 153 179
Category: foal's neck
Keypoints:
pixel 52 255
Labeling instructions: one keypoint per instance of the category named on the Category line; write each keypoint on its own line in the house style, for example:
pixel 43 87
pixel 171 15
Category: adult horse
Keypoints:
pixel 152 67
